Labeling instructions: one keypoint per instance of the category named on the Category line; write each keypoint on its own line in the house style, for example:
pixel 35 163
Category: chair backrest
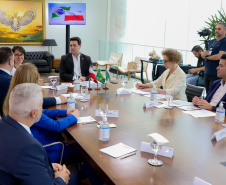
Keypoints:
pixel 192 91
pixel 115 58
pixel 145 64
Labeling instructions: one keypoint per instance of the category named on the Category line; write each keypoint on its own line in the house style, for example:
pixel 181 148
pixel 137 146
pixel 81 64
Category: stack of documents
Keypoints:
pixel 176 103
pixel 118 150
pixel 139 91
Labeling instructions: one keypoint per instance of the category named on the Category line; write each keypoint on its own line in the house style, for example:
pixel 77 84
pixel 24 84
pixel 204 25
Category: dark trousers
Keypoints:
pixel 209 79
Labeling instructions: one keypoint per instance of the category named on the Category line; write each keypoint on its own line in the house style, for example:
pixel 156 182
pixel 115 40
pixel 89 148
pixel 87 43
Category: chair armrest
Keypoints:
pixel 47 55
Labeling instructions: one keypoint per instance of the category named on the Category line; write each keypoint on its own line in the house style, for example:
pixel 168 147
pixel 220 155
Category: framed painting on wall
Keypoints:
pixel 22 22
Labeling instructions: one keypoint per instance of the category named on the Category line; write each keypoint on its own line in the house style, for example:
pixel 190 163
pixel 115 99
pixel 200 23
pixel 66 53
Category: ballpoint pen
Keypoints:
pixel 128 155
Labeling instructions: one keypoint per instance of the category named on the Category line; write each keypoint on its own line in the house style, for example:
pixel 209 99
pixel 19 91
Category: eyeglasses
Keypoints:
pixel 19 55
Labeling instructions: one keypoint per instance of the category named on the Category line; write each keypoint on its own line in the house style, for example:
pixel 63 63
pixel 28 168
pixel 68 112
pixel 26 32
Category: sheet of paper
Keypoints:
pixel 200 113
pixel 87 119
pixel 219 134
pixel 123 91
pixel 111 126
pixel 77 96
pixel 139 91
pixel 159 96
pixel 198 181
pixel 118 150
pixel 166 151
pixel 46 87
pixel 111 113
pixel 189 107
pixel 177 103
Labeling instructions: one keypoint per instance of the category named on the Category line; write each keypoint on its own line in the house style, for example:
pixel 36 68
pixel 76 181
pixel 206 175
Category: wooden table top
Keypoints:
pixel 195 155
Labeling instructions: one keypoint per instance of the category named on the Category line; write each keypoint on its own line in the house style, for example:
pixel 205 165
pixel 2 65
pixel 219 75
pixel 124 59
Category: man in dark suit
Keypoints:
pixel 6 66
pixel 75 63
pixel 23 159
pixel 217 91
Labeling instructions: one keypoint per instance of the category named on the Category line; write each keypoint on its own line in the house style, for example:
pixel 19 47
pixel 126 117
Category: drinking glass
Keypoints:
pixel 156 148
pixel 169 99
pixel 84 91
pixel 53 80
pixel 103 110
pixel 124 83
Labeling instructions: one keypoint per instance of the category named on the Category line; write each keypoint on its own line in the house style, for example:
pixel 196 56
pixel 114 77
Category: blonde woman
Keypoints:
pixel 46 130
pixel 173 79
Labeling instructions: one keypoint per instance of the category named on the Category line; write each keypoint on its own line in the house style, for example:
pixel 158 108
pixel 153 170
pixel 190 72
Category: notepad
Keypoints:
pixel 118 150
pixel 85 120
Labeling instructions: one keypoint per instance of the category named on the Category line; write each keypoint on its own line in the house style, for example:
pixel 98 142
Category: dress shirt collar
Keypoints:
pixel 74 58
pixel 26 127
pixel 8 72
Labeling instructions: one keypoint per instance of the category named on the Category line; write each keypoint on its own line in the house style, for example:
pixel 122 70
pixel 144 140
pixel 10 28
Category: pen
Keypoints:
pixel 128 155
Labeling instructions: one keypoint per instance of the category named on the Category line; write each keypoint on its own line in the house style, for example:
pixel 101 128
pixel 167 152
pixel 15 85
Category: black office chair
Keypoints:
pixel 192 91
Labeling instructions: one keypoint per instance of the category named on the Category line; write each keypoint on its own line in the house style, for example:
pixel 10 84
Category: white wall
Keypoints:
pixel 90 34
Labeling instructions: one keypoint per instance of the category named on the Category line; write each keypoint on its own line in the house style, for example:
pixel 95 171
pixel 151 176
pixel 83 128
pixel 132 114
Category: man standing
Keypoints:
pixel 6 66
pixel 216 48
pixel 23 159
pixel 75 63
pixel 196 75
pixel 217 91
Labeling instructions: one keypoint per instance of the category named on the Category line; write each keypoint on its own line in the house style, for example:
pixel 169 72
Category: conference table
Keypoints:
pixel 195 154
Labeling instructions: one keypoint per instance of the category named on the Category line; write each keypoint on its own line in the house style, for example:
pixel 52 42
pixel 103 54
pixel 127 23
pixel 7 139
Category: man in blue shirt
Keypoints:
pixel 216 48
pixel 196 75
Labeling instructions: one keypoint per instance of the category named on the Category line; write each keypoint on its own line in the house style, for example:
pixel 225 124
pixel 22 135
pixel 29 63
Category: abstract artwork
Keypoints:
pixel 22 22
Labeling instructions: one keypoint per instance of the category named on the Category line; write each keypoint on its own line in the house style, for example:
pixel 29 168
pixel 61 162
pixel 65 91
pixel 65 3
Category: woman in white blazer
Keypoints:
pixel 173 79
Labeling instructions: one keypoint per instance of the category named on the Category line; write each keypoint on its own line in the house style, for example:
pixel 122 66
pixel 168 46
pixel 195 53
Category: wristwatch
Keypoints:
pixel 213 108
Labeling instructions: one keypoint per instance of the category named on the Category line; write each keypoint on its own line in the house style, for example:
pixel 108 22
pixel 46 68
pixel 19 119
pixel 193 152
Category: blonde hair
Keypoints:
pixel 26 73
pixel 173 55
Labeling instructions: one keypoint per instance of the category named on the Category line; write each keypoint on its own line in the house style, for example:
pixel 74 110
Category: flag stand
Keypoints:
pixel 90 89
pixel 105 88
pixel 97 89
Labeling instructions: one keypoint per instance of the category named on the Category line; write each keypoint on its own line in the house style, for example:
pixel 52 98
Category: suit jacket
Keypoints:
pixel 5 80
pixel 67 67
pixel 46 128
pixel 175 84
pixel 213 88
pixel 23 159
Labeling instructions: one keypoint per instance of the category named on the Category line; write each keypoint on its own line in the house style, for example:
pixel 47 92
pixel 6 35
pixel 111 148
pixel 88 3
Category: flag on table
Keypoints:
pixel 108 78
pixel 92 75
pixel 100 76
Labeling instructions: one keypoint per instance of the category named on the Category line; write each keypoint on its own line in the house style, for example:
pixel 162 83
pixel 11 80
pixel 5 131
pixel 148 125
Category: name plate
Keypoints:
pixel 166 151
pixel 110 114
pixel 61 87
pixel 219 134
pixel 198 181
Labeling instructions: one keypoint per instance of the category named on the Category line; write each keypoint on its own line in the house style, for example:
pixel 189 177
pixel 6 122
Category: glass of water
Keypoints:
pixel 156 148
pixel 103 110
pixel 124 83
pixel 169 99
pixel 53 80
pixel 84 91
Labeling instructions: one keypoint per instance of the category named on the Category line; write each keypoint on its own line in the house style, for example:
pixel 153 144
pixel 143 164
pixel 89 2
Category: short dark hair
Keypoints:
pixel 222 23
pixel 223 56
pixel 76 39
pixel 5 54
pixel 197 48
pixel 19 48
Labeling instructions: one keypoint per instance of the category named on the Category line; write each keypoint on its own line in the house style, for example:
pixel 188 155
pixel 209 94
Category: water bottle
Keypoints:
pixel 76 83
pixel 220 113
pixel 71 102
pixel 104 132
pixel 154 96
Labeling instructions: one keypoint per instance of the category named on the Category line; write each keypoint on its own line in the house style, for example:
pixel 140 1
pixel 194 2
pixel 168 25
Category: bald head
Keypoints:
pixel 25 98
